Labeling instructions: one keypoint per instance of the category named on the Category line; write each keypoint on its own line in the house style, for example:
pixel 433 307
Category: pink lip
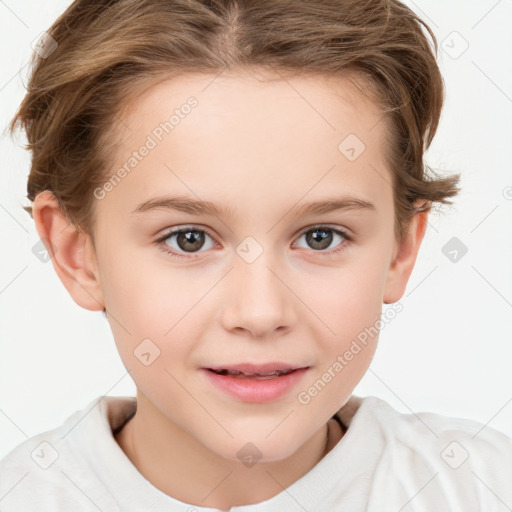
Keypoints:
pixel 252 390
pixel 257 368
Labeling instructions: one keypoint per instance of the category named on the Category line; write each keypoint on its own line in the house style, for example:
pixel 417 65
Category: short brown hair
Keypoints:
pixel 109 51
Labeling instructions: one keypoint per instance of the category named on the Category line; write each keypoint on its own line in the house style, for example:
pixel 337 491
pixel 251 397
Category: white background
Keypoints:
pixel 449 350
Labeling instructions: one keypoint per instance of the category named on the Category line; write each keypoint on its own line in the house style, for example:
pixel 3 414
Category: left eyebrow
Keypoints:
pixel 332 205
pixel 197 207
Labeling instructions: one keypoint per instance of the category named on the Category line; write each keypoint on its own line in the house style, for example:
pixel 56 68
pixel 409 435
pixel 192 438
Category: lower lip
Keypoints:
pixel 252 390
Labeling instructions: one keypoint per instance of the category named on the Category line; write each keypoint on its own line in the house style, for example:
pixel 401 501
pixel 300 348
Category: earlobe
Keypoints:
pixel 70 251
pixel 405 258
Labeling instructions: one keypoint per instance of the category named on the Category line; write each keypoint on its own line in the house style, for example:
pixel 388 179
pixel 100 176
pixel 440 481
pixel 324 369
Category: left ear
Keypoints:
pixel 405 254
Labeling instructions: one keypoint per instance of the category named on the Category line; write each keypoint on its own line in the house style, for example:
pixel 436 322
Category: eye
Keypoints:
pixel 191 239
pixel 321 237
pixel 188 239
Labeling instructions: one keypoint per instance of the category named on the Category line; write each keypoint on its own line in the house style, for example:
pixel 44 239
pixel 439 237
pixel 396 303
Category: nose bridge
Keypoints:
pixel 259 301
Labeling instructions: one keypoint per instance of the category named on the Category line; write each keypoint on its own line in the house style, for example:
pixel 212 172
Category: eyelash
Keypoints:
pixel 334 252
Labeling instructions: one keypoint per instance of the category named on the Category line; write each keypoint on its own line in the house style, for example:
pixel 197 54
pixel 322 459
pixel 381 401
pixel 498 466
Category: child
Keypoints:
pixel 284 142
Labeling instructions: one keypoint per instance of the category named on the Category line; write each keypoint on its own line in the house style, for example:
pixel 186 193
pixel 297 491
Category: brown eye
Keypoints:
pixel 179 242
pixel 190 240
pixel 320 238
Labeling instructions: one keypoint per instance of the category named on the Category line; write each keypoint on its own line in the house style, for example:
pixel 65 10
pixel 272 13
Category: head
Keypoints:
pixel 255 110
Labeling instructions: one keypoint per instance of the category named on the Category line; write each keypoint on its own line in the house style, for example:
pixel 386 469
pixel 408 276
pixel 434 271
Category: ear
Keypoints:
pixel 72 252
pixel 404 258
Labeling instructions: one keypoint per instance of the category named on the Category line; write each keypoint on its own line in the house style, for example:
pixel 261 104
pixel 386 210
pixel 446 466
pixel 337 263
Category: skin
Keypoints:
pixel 259 148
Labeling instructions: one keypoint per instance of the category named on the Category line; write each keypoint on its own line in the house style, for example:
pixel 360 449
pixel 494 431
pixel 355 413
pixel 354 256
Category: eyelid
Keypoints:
pixel 343 232
pixel 185 227
pixel 173 231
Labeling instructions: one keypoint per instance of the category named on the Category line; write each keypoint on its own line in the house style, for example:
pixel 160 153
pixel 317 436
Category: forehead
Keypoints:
pixel 285 136
pixel 328 103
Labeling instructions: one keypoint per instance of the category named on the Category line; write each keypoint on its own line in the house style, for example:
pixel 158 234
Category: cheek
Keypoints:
pixel 347 336
pixel 148 299
pixel 140 290
pixel 132 301
pixel 154 310
pixel 348 299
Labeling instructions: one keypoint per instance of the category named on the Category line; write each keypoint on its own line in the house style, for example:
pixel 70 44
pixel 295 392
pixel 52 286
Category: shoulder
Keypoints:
pixel 452 439
pixel 449 456
pixel 434 429
pixel 45 473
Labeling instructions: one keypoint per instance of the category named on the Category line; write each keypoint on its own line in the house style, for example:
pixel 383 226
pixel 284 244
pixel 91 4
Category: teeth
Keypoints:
pixel 236 373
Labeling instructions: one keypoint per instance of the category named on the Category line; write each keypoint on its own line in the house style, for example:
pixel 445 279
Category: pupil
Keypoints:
pixel 324 239
pixel 195 238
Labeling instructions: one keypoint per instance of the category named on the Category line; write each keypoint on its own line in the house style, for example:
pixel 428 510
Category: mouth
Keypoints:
pixel 256 372
pixel 253 376
pixel 256 384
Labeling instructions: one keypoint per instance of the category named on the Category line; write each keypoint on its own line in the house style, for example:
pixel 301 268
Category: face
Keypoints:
pixel 261 278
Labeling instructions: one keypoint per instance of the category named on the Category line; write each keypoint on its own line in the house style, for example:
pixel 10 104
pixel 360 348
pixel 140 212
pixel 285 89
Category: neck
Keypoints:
pixel 180 466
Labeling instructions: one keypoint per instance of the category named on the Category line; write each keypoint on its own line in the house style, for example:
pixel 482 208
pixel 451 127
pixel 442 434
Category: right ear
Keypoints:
pixel 72 252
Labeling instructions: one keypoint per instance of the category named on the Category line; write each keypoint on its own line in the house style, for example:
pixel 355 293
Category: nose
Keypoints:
pixel 258 300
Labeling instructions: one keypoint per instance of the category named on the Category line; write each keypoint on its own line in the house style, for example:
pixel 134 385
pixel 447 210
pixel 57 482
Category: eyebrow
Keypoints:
pixel 196 207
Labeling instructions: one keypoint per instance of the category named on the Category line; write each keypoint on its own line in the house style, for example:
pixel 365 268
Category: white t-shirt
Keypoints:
pixel 386 461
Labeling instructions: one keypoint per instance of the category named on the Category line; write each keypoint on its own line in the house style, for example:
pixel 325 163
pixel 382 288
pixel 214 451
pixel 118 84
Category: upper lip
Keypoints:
pixel 256 368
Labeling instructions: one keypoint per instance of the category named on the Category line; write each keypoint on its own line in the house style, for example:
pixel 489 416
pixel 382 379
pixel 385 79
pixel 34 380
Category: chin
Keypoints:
pixel 250 453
